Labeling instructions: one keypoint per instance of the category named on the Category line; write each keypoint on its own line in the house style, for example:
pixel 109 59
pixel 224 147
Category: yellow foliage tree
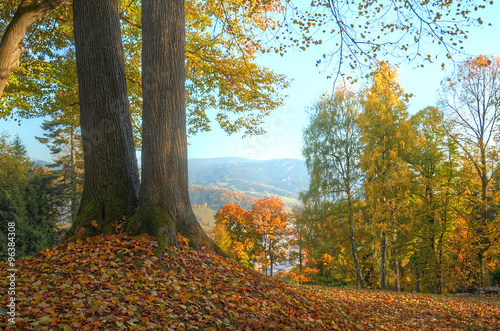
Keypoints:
pixel 385 134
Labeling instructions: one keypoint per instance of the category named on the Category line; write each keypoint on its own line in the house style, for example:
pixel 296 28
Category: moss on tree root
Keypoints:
pixel 155 220
pixel 100 216
pixel 82 225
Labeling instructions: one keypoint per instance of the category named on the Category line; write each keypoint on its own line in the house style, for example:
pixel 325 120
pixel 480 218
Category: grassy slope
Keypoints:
pixel 206 216
pixel 116 283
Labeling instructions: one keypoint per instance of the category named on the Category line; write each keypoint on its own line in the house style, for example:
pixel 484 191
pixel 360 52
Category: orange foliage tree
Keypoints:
pixel 271 222
pixel 234 232
pixel 260 235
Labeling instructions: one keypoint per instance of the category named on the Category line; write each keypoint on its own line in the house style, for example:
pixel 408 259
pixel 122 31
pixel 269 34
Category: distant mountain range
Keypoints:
pixel 283 177
pixel 218 181
pixel 43 163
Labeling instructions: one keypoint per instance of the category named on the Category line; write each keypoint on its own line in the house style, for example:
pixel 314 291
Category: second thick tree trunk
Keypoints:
pixel 164 207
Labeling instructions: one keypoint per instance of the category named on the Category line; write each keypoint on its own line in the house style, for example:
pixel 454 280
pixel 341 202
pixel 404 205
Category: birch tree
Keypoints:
pixel 332 149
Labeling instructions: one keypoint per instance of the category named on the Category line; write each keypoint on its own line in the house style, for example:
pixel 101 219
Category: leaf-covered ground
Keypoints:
pixel 116 283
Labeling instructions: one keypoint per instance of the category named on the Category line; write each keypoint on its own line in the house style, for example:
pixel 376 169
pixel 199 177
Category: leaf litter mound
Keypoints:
pixel 117 283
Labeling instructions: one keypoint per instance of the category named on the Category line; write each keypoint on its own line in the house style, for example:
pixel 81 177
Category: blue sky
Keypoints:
pixel 285 125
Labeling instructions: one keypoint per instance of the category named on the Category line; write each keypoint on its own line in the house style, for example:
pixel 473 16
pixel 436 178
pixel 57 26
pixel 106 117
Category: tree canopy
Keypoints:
pixel 222 76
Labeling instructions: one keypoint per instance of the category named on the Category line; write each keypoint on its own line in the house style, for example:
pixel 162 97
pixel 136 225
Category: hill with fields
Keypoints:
pixel 207 201
pixel 219 181
pixel 283 177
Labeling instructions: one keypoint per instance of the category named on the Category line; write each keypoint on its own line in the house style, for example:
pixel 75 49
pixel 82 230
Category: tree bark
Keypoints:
pixel 417 278
pixel 397 282
pixel 438 289
pixel 484 213
pixel 382 263
pixel 73 201
pixel 111 183
pixel 353 244
pixel 164 207
pixel 11 46
pixel 300 253
pixel 271 259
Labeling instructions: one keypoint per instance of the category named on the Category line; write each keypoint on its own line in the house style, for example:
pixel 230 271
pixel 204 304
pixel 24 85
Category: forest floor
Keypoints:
pixel 116 283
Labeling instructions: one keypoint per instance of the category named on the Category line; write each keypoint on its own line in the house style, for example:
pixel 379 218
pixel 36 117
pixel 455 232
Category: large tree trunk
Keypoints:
pixel 11 46
pixel 111 184
pixel 164 207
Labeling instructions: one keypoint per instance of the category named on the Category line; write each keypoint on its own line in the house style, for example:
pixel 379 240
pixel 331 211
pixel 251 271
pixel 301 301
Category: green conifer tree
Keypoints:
pixel 63 138
pixel 28 198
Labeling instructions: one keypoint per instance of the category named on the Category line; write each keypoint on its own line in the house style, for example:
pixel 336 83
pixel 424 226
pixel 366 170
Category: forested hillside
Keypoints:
pixel 206 201
pixel 216 198
pixel 282 177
